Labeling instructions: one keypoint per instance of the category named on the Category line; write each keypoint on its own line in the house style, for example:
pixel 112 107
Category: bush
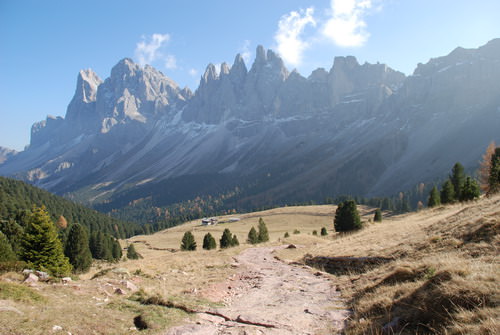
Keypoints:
pixel 131 253
pixel 287 235
pixel 324 232
pixel 378 215
pixel 188 243
pixel 347 217
pixel 296 231
pixel 315 232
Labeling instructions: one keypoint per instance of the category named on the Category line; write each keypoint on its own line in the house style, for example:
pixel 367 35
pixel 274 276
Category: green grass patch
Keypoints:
pixel 18 292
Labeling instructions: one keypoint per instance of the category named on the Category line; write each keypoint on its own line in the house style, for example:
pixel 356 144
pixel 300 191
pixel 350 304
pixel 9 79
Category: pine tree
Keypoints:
pixel 347 217
pixel 324 232
pixel 234 241
pixel 494 177
pixel 457 178
pixel 116 250
pixel 77 249
pixel 263 233
pixel 447 192
pixel 253 238
pixel 131 253
pixel 209 242
pixel 378 215
pixel 434 198
pixel 14 233
pixel 286 235
pixel 226 239
pixel 470 190
pixel 188 243
pixel 6 253
pixel 41 248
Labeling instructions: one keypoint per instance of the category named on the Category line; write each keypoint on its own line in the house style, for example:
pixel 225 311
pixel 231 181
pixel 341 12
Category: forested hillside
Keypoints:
pixel 17 197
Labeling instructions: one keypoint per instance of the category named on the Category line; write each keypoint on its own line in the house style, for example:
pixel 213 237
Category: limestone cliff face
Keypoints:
pixel 356 128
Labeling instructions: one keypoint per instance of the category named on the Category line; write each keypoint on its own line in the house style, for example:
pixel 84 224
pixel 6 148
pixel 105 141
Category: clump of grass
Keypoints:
pixel 296 231
pixel 18 292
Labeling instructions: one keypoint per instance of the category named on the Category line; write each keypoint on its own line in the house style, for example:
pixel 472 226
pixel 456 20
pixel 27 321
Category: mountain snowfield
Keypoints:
pixel 355 129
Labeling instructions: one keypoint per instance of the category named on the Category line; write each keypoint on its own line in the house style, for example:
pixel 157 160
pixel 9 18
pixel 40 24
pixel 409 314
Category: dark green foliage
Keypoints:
pixel 347 217
pixel 457 178
pixel 41 248
pixel 434 198
pixel 226 239
pixel 315 233
pixel 14 232
pixel 188 243
pixel 286 235
pixel 324 232
pixel 116 250
pixel 234 241
pixel 448 192
pixel 253 238
pixel 470 190
pixel 6 253
pixel 494 177
pixel 131 253
pixel 378 215
pixel 209 242
pixel 263 234
pixel 77 249
pixel 16 198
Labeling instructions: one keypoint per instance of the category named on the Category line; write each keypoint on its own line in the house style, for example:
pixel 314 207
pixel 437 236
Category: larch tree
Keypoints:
pixel 41 248
pixel 494 178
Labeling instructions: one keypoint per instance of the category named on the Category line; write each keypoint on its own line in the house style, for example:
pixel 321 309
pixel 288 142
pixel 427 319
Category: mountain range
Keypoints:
pixel 265 135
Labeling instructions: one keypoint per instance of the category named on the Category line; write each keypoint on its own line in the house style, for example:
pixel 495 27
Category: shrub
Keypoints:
pixel 324 232
pixel 131 253
pixel 287 235
pixel 378 215
pixel 315 233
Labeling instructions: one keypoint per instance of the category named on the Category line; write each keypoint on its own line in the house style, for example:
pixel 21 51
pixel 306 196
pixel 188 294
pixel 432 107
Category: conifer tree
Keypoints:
pixel 14 233
pixel 116 250
pixel 131 253
pixel 226 239
pixel 324 232
pixel 234 241
pixel 209 242
pixel 470 190
pixel 6 253
pixel 378 215
pixel 77 249
pixel 41 248
pixel 263 233
pixel 347 217
pixel 457 178
pixel 447 192
pixel 434 198
pixel 253 238
pixel 494 177
pixel 188 243
pixel 286 235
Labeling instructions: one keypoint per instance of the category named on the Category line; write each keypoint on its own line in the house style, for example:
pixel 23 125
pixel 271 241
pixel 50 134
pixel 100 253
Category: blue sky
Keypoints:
pixel 43 44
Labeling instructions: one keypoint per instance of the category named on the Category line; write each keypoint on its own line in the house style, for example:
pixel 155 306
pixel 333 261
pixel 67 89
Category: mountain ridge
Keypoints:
pixel 299 137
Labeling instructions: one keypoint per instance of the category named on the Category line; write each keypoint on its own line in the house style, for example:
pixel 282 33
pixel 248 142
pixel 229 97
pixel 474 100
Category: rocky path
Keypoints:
pixel 269 296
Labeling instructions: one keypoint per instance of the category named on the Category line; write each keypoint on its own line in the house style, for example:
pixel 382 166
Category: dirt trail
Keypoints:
pixel 269 296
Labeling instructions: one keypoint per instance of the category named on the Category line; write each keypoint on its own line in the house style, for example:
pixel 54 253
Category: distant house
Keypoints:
pixel 234 219
pixel 208 221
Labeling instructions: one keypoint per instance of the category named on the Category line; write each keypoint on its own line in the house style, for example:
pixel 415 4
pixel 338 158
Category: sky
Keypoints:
pixel 43 44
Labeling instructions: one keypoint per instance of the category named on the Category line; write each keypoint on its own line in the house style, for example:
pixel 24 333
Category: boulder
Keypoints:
pixel 31 278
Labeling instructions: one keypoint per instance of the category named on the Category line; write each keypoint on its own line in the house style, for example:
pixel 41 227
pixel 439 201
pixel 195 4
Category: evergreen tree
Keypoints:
pixel 131 253
pixel 494 177
pixel 434 198
pixel 226 239
pixel 6 253
pixel 98 246
pixel 287 235
pixel 315 232
pixel 457 178
pixel 324 232
pixel 234 241
pixel 77 248
pixel 116 250
pixel 378 215
pixel 470 190
pixel 188 243
pixel 14 233
pixel 347 217
pixel 209 242
pixel 447 192
pixel 253 238
pixel 41 248
pixel 263 233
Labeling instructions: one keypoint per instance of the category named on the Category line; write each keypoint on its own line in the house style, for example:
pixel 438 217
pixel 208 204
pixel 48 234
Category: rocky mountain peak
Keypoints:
pixel 224 69
pixel 210 74
pixel 86 85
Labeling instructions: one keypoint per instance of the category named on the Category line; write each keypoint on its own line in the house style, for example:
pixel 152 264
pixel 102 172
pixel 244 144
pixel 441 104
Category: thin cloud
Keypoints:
pixel 149 49
pixel 347 26
pixel 245 51
pixel 290 44
pixel 193 72
pixel 171 62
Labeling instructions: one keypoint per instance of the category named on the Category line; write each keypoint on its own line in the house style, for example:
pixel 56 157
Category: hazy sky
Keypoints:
pixel 43 44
